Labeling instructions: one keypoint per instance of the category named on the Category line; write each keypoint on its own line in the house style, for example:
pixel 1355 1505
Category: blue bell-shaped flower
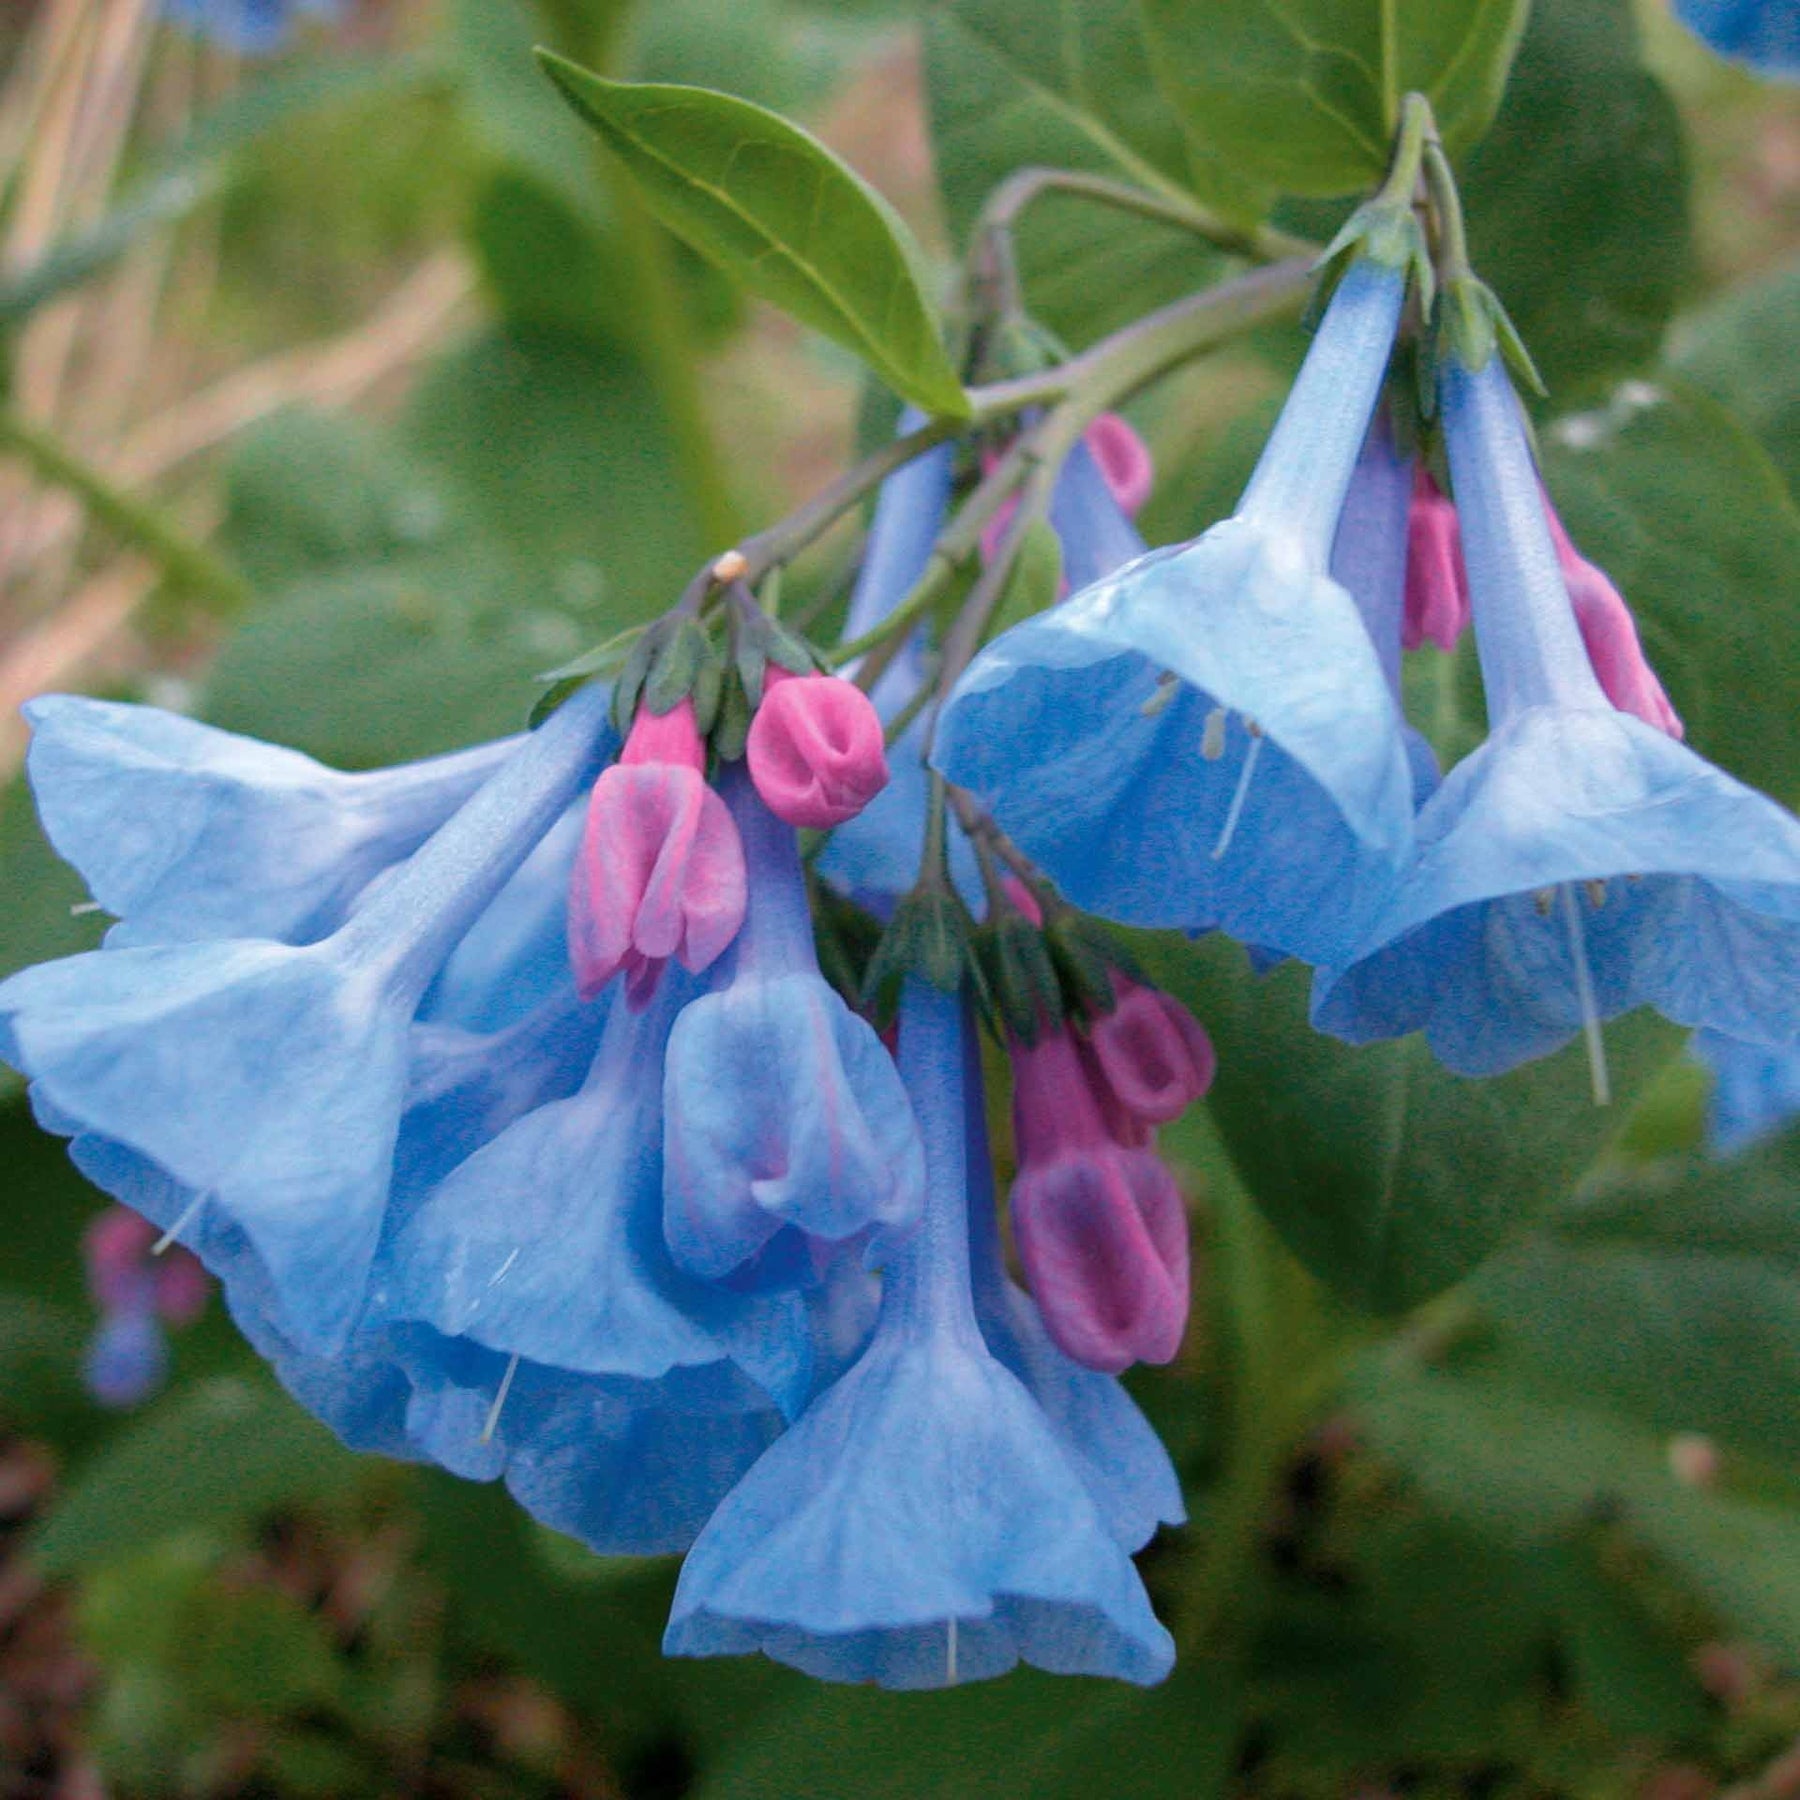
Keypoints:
pixel 783 1116
pixel 267 1080
pixel 1205 738
pixel 1755 1091
pixel 1581 862
pixel 1763 33
pixel 921 1523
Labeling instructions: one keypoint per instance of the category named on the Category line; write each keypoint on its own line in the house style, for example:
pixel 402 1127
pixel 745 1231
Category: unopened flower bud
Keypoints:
pixel 815 749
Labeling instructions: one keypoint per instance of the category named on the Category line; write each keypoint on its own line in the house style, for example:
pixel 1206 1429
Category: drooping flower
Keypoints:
pixel 266 1080
pixel 920 1524
pixel 1097 1217
pixel 784 1118
pixel 1763 33
pixel 184 832
pixel 1580 863
pixel 660 873
pixel 547 1245
pixel 815 749
pixel 137 1296
pixel 1755 1091
pixel 1205 738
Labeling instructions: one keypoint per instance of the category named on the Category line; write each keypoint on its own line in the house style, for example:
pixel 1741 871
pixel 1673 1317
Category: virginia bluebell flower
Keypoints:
pixel 546 1244
pixel 920 1524
pixel 250 27
pixel 184 832
pixel 1763 33
pixel 1581 862
pixel 1205 738
pixel 266 1080
pixel 784 1119
pixel 1755 1092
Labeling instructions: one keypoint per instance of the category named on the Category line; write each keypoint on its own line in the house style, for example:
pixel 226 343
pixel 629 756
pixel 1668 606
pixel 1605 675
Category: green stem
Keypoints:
pixel 1446 206
pixel 1418 128
pixel 182 559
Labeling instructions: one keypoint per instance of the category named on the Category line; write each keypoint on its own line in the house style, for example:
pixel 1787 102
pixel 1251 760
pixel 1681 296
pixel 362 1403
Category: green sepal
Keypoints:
pixel 553 697
pixel 682 653
pixel 757 640
pixel 1470 325
pixel 1021 975
pixel 709 683
pixel 1087 958
pixel 845 938
pixel 931 937
pixel 614 652
pixel 631 680
pixel 1381 231
pixel 731 730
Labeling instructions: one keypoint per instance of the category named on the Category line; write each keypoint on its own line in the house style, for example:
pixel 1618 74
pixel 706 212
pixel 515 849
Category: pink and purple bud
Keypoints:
pixel 1437 603
pixel 1152 1055
pixel 1437 586
pixel 816 750
pixel 660 871
pixel 1099 1223
pixel 137 1294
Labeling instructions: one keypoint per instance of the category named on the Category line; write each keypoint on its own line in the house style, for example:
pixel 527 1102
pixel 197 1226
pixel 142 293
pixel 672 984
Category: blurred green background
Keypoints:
pixel 375 317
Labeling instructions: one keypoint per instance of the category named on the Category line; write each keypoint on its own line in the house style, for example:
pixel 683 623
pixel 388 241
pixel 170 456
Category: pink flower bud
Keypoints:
pixel 1611 636
pixel 122 1273
pixel 660 872
pixel 815 749
pixel 1125 462
pixel 1100 1224
pixel 1152 1052
pixel 1437 586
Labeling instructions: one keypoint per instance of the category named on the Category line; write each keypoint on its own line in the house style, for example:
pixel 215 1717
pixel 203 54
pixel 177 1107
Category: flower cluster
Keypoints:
pixel 503 1094
pixel 1212 737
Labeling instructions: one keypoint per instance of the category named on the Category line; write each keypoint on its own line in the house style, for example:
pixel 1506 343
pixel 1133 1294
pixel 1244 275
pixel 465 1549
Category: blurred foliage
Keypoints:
pixel 1489 1416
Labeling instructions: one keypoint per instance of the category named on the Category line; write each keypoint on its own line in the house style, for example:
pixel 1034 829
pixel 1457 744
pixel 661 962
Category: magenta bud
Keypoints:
pixel 815 749
pixel 1099 1222
pixel 1152 1052
pixel 660 871
pixel 1437 586
pixel 1611 636
pixel 1125 462
pixel 122 1274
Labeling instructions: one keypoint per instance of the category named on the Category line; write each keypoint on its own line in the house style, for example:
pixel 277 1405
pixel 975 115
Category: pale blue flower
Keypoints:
pixel 1755 1093
pixel 1580 863
pixel 920 1525
pixel 1763 33
pixel 1205 738
pixel 783 1117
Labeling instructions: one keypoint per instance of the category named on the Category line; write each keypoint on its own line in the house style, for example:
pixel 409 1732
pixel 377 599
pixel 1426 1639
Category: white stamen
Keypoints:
pixel 1212 735
pixel 950 1652
pixel 1238 799
pixel 1584 994
pixel 493 1418
pixel 1543 900
pixel 180 1225
pixel 82 908
pixel 499 1275
pixel 1596 893
pixel 1160 701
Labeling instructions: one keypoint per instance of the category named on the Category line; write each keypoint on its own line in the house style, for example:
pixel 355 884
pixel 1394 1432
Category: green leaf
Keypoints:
pixel 1387 1176
pixel 1304 95
pixel 1740 349
pixel 1050 1737
pixel 420 582
pixel 1577 199
pixel 206 1459
pixel 37 922
pixel 1035 83
pixel 782 215
pixel 1671 1292
pixel 1678 503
